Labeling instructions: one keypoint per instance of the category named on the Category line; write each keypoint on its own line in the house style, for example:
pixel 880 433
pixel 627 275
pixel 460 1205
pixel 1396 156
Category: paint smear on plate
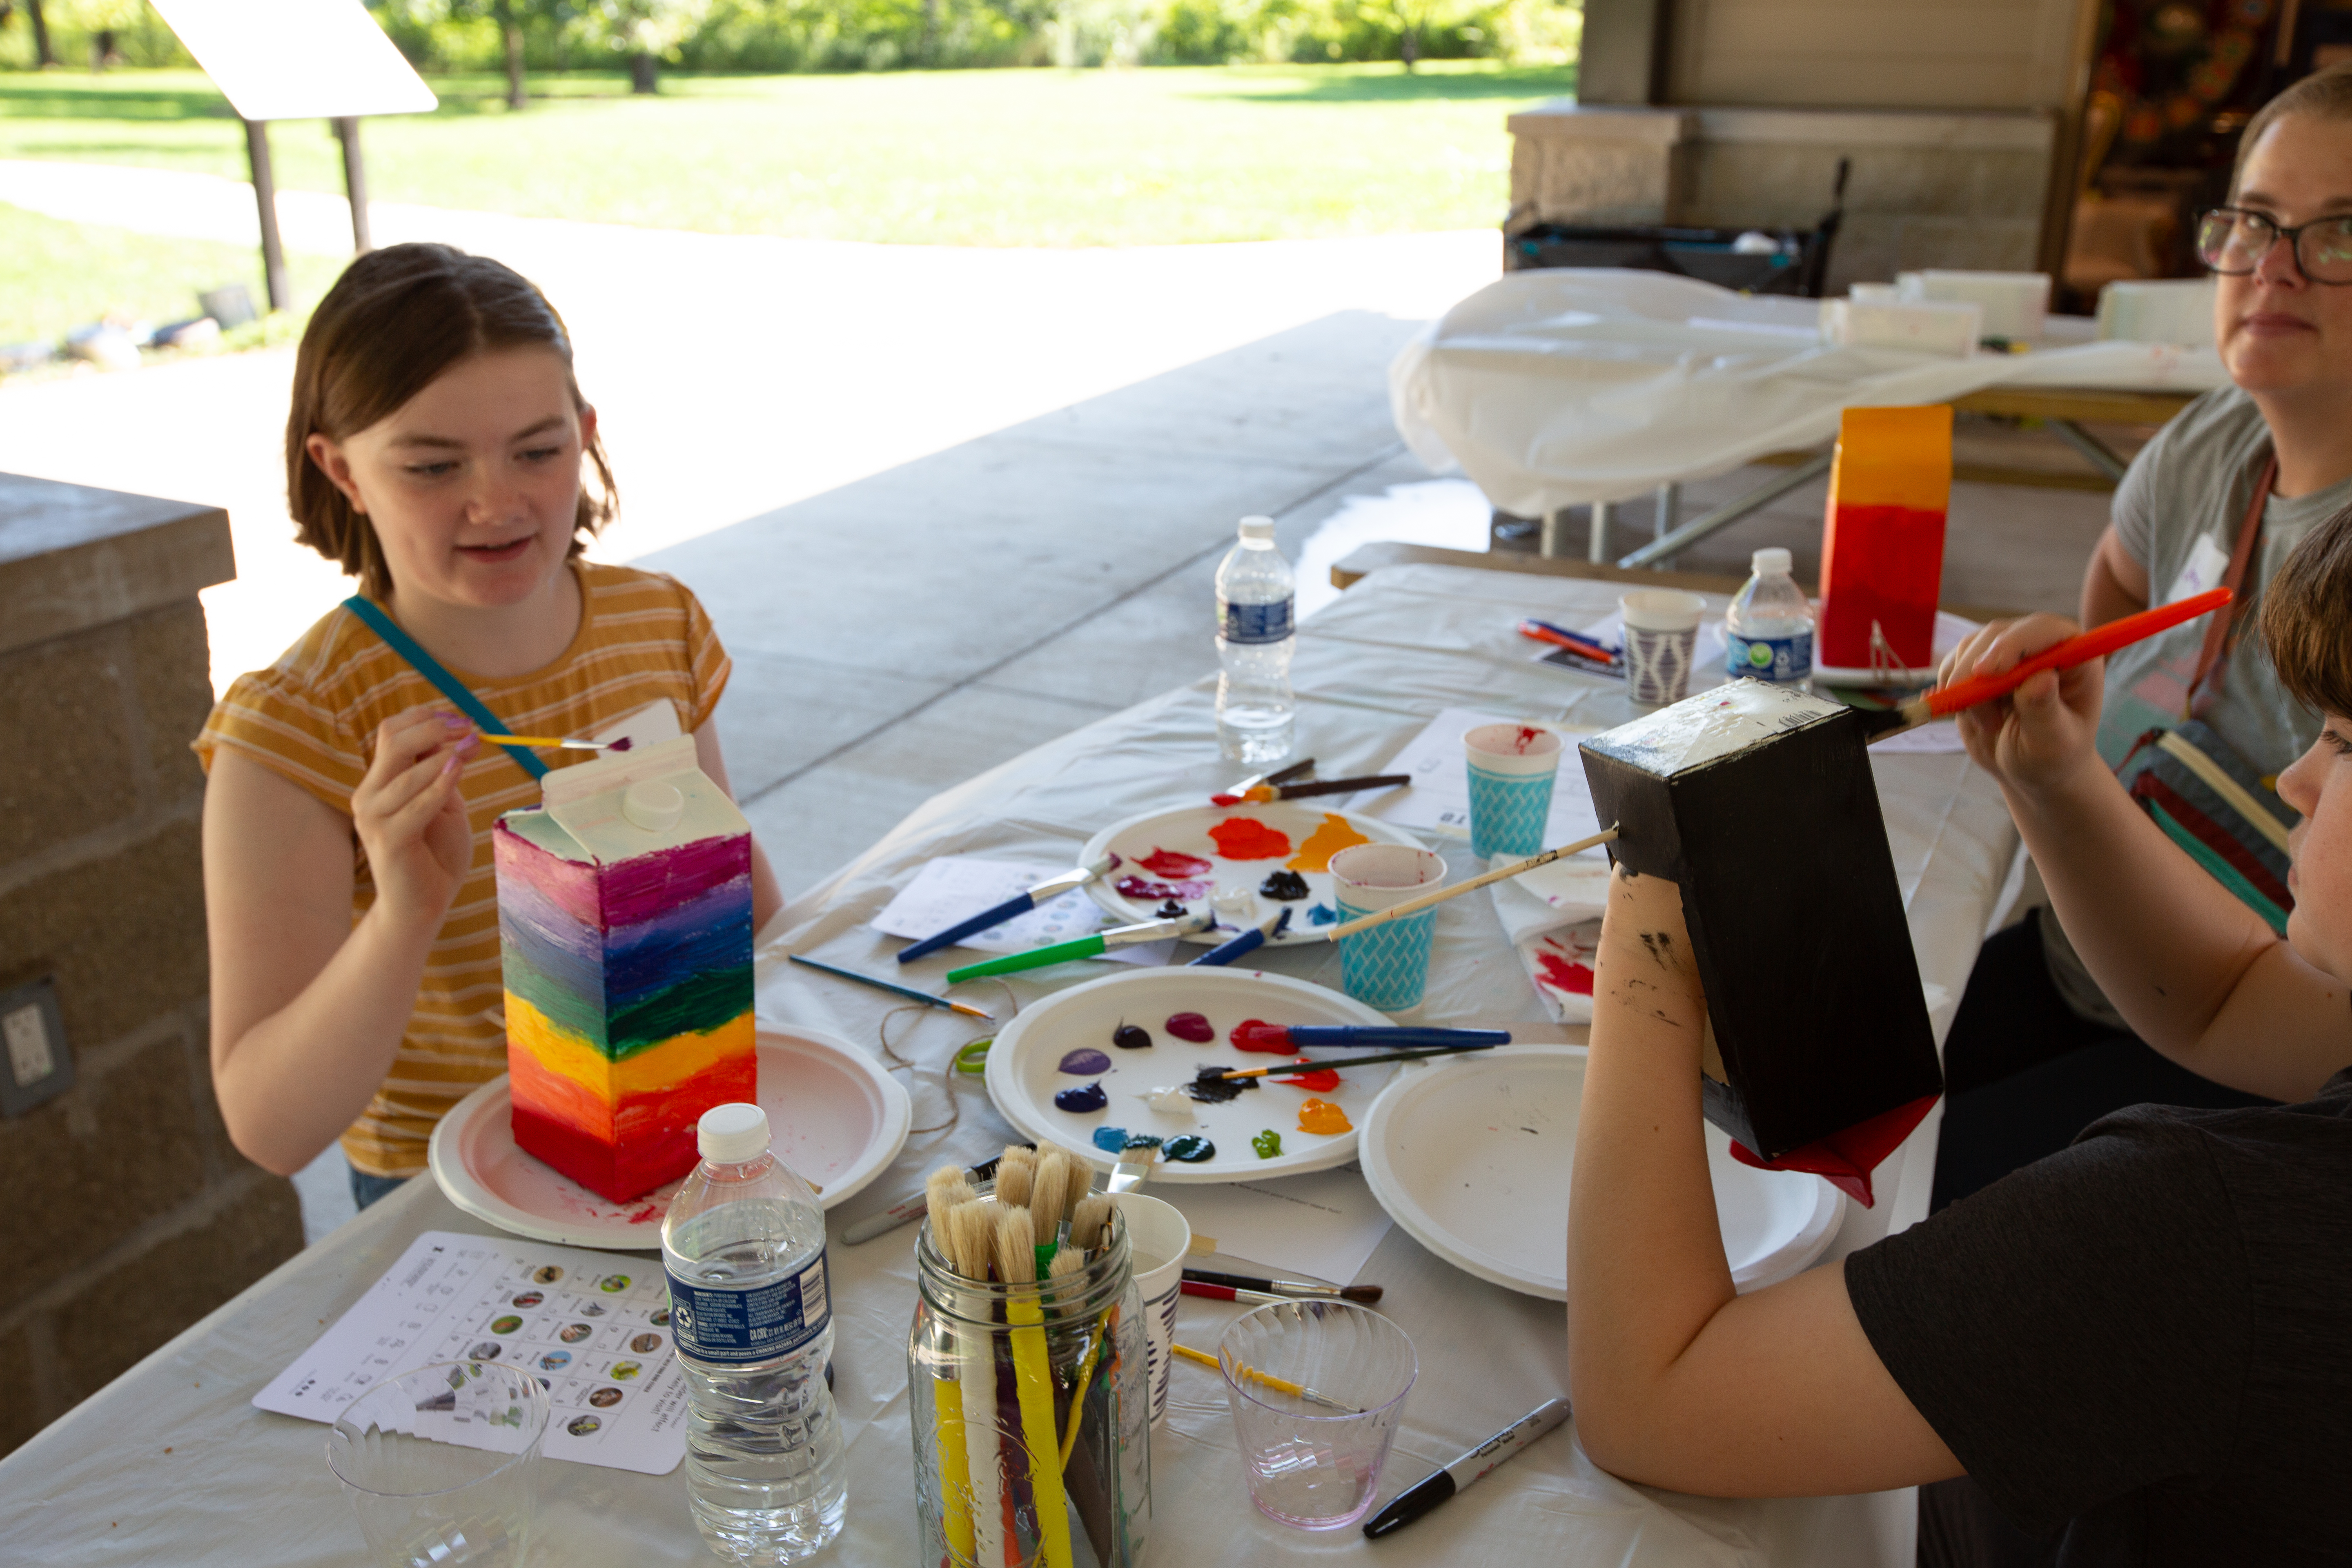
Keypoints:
pixel 1085 1098
pixel 1143 890
pixel 1247 839
pixel 1085 1063
pixel 1322 1116
pixel 1257 1035
pixel 1322 1080
pixel 1192 1149
pixel 1267 1143
pixel 1190 1027
pixel 1169 863
pixel 1333 835
pixel 1322 915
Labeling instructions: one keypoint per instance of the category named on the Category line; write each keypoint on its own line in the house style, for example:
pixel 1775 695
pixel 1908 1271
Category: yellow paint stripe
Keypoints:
pixel 650 1070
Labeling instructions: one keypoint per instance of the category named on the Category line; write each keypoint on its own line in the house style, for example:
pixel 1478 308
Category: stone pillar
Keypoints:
pixel 130 1215
pixel 1574 163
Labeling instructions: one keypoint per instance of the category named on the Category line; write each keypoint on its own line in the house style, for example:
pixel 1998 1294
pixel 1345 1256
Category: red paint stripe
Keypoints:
pixel 2214 837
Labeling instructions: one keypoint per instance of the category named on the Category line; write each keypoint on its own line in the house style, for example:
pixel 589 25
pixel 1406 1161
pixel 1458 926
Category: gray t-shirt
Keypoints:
pixel 2177 514
pixel 2140 1342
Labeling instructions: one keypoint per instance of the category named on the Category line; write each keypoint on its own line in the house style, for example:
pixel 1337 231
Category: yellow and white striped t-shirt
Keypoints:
pixel 313 717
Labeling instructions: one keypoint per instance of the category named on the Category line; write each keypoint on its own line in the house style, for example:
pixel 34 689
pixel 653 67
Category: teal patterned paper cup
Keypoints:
pixel 1386 966
pixel 1512 767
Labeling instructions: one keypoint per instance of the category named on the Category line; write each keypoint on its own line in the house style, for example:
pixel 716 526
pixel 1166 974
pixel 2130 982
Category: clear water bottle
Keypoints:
pixel 1256 595
pixel 744 1247
pixel 1771 629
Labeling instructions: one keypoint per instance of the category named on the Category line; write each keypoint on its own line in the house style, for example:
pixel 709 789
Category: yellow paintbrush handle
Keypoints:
pixel 1280 1385
pixel 1033 1377
pixel 955 1487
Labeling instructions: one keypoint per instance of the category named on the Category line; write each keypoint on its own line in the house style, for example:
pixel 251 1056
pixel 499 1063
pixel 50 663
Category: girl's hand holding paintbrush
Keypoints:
pixel 2040 737
pixel 409 814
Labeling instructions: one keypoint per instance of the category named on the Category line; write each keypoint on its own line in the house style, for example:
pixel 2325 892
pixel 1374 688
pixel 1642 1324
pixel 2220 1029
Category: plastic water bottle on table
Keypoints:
pixel 1770 631
pixel 1256 595
pixel 752 1317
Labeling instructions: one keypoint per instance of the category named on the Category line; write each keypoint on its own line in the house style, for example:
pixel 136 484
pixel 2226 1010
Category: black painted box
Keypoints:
pixel 1760 803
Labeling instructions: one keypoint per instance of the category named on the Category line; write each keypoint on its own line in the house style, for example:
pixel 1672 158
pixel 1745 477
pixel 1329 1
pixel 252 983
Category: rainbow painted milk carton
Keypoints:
pixel 625 923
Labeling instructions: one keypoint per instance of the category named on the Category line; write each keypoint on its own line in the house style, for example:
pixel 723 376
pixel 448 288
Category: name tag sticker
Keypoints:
pixel 2208 565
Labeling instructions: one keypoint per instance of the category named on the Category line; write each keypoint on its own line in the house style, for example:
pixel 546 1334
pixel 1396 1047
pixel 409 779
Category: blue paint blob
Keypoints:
pixel 1322 915
pixel 1192 1149
pixel 1086 1096
pixel 1086 1062
pixel 1110 1139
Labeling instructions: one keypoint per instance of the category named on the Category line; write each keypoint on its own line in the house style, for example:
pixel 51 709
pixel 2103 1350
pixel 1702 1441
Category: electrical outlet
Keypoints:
pixel 38 1067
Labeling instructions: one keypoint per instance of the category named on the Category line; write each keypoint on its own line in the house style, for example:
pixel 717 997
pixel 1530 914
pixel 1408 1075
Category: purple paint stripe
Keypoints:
pixel 567 884
pixel 607 897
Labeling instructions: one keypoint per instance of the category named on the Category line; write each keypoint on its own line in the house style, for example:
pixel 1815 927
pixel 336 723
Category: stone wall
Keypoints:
pixel 129 1213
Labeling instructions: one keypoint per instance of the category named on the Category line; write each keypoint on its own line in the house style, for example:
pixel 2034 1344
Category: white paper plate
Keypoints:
pixel 1186 831
pixel 1025 1070
pixel 1471 1157
pixel 838 1119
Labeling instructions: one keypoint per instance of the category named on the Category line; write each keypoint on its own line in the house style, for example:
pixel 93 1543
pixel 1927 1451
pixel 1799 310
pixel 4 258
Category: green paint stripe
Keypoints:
pixel 697 1005
pixel 2220 870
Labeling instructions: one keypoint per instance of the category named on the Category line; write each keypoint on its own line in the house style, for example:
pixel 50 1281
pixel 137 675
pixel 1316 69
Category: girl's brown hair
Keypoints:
pixel 396 319
pixel 2307 619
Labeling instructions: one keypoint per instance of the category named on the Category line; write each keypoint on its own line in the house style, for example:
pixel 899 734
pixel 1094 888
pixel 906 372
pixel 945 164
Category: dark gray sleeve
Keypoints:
pixel 2078 1330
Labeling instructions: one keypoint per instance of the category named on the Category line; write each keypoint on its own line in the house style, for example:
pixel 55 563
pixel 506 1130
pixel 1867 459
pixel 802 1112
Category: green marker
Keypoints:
pixel 1085 946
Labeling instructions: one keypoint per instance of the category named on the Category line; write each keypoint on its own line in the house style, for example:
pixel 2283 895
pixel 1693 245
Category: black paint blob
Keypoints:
pixel 1210 1088
pixel 1283 887
pixel 1131 1037
pixel 1192 1149
pixel 1086 1096
pixel 1170 911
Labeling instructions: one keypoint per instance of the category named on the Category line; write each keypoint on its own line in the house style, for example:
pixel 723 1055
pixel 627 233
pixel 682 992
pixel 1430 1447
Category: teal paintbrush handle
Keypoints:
pixel 1035 958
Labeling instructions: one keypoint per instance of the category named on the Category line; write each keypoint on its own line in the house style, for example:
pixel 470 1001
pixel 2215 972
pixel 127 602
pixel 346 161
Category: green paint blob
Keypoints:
pixel 1192 1149
pixel 1267 1143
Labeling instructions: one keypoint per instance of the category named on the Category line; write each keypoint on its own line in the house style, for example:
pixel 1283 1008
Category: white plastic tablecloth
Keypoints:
pixel 241 1488
pixel 1562 386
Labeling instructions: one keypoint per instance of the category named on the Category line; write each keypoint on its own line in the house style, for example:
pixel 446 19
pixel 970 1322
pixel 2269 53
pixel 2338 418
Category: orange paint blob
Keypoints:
pixel 1326 841
pixel 1322 1116
pixel 1247 838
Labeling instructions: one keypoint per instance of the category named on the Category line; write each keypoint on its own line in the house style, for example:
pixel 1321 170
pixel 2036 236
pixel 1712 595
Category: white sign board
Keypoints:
pixel 298 59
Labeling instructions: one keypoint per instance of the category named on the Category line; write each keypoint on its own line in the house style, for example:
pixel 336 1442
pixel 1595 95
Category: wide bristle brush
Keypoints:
pixel 1049 1193
pixel 1087 1220
pixel 938 1197
pixel 1015 1179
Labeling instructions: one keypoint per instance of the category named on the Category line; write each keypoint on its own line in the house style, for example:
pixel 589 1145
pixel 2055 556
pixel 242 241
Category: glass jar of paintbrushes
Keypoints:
pixel 1028 1393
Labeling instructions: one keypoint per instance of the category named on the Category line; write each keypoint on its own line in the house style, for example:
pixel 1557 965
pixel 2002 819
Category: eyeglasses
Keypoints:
pixel 2233 241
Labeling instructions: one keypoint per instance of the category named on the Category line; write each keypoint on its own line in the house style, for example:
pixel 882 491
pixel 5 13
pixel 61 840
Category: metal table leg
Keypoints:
pixel 1724 516
pixel 1596 544
pixel 1668 513
pixel 2095 451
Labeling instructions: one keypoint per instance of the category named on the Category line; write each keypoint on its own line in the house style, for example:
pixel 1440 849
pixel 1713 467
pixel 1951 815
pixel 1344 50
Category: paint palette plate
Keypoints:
pixel 1472 1158
pixel 838 1119
pixel 1185 831
pixel 1025 1070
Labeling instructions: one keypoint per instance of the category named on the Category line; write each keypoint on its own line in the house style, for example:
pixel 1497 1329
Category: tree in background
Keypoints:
pixel 43 54
pixel 645 31
pixel 104 20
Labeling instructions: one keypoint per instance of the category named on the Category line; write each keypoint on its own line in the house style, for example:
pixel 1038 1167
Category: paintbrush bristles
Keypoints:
pixel 938 1197
pixel 971 1239
pixel 1049 1191
pixel 1087 1220
pixel 1015 1181
pixel 1017 1246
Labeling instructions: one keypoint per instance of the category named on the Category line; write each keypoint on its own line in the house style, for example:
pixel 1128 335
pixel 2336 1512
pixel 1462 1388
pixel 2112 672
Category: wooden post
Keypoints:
pixel 347 132
pixel 265 196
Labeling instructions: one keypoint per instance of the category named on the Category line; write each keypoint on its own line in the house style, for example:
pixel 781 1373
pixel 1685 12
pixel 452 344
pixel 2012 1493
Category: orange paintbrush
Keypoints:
pixel 2096 643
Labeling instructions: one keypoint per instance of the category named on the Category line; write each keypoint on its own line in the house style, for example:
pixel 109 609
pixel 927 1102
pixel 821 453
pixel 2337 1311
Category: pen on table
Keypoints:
pixel 1020 904
pixel 913 1206
pixel 1575 642
pixel 892 986
pixel 1439 1485
pixel 1365 1294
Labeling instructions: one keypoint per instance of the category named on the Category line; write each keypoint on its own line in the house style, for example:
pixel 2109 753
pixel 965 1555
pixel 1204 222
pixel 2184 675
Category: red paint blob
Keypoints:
pixel 1257 1035
pixel 1145 891
pixel 1562 976
pixel 1190 1027
pixel 1322 1080
pixel 1169 863
pixel 1247 838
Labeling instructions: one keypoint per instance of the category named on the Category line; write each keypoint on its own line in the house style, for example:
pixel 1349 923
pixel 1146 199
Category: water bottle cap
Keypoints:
pixel 730 1134
pixel 1257 528
pixel 1769 560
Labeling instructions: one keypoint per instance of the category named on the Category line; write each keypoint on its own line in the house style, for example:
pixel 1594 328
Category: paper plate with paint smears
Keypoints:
pixel 1194 853
pixel 838 1119
pixel 1472 1158
pixel 1026 1070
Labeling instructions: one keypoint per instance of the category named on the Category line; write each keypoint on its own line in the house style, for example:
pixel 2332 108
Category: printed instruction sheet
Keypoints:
pixel 593 1327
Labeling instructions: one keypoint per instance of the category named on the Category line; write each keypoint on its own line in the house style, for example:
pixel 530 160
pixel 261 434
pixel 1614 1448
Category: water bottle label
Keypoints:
pixel 755 1324
pixel 1256 623
pixel 1781 661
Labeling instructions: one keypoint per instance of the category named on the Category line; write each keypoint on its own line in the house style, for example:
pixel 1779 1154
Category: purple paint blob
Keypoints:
pixel 623 744
pixel 1085 1063
pixel 1085 1098
pixel 1143 890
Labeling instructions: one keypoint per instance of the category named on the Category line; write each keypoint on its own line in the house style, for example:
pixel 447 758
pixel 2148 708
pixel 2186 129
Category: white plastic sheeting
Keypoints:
pixel 1564 386
pixel 244 1490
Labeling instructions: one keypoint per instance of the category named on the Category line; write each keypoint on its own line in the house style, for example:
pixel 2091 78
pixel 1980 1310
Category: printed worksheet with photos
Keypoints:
pixel 593 1327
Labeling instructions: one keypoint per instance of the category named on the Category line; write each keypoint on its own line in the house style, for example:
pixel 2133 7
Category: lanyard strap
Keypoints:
pixel 2218 630
pixel 426 664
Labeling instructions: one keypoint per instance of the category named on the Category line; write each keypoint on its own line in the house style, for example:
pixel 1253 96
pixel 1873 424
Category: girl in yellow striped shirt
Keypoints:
pixel 435 450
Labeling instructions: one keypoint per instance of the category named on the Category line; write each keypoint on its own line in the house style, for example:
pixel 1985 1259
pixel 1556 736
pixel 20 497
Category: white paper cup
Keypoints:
pixel 1661 643
pixel 1372 877
pixel 1159 1240
pixel 1513 751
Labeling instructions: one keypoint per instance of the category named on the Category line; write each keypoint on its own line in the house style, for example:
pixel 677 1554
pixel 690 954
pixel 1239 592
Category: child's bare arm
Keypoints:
pixel 309 1008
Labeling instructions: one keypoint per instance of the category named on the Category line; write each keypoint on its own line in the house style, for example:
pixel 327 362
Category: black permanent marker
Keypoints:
pixel 1438 1485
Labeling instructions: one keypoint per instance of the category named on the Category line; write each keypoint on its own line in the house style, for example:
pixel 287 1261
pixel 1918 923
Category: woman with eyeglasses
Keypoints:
pixel 2038 1051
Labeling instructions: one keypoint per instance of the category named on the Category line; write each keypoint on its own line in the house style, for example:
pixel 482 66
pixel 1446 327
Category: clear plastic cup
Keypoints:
pixel 441 1465
pixel 1312 1457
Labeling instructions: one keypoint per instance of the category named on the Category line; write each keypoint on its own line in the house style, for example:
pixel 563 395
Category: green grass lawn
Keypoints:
pixel 997 158
pixel 57 275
